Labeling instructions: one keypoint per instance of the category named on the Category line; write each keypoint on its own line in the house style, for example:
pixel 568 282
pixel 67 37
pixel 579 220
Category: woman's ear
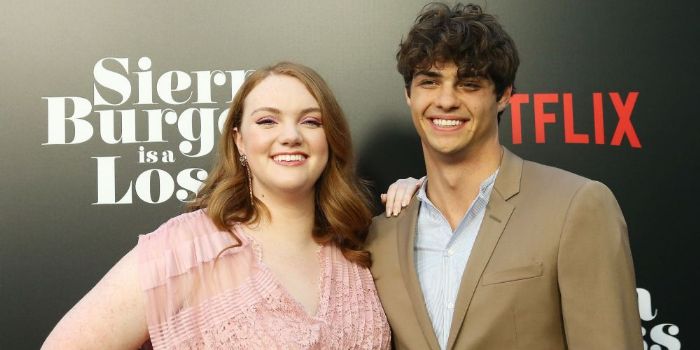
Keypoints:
pixel 238 140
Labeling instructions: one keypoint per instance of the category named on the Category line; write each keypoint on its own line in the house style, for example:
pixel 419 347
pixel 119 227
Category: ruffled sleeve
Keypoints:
pixel 180 271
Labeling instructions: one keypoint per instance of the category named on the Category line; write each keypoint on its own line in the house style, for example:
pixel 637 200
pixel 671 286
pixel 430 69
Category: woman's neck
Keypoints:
pixel 291 220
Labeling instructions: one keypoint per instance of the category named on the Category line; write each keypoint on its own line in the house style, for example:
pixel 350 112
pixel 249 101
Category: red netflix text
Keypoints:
pixel 537 103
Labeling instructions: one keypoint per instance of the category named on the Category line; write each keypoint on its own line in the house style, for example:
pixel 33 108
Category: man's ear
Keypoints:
pixel 407 95
pixel 505 98
pixel 238 140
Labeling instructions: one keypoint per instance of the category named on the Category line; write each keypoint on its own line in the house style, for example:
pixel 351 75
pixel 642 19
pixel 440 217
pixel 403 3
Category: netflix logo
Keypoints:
pixel 552 113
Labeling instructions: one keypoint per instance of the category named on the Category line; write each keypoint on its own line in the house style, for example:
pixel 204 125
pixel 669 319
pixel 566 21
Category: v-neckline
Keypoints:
pixel 321 283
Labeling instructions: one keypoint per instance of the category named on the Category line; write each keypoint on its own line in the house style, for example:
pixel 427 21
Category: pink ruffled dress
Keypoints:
pixel 195 301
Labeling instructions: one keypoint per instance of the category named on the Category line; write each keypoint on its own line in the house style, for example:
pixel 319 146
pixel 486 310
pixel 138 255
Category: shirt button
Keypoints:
pixel 450 252
pixel 450 306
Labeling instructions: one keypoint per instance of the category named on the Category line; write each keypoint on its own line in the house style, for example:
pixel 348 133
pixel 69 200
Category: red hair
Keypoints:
pixel 342 212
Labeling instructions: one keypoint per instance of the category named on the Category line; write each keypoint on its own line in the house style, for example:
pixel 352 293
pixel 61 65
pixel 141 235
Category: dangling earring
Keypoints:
pixel 244 162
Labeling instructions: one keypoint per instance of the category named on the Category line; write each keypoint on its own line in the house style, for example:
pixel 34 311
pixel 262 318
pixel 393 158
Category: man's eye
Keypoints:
pixel 427 82
pixel 470 85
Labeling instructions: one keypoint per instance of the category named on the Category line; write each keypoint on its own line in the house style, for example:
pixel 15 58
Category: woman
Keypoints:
pixel 271 255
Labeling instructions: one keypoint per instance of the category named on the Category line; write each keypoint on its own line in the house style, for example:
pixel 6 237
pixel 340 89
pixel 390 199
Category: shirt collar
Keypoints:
pixel 484 188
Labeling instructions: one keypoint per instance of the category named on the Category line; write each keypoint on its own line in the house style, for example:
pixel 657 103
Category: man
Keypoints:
pixel 494 252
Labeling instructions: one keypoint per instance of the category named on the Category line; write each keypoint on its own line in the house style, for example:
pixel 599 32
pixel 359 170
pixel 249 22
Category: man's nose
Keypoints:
pixel 447 99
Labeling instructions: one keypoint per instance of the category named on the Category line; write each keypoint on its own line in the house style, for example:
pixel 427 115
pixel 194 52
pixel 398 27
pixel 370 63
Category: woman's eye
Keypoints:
pixel 265 121
pixel 312 121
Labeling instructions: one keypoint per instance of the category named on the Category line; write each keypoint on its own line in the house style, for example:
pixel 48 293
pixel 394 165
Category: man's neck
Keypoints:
pixel 453 185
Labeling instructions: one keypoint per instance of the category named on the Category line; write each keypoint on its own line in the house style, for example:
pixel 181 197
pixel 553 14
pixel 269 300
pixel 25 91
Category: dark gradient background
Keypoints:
pixel 55 245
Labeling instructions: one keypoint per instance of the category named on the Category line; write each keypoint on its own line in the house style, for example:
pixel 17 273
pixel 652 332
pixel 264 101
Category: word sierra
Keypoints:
pixel 141 116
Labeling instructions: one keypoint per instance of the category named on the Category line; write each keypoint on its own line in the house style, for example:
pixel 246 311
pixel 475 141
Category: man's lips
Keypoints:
pixel 447 122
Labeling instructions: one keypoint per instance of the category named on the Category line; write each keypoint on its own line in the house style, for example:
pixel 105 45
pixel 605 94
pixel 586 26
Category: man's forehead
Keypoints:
pixel 437 66
pixel 447 70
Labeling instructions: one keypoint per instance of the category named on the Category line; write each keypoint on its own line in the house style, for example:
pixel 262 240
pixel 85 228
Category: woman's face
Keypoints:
pixel 282 135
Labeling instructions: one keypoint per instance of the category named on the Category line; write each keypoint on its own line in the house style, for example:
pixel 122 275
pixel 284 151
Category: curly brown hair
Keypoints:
pixel 474 40
pixel 342 213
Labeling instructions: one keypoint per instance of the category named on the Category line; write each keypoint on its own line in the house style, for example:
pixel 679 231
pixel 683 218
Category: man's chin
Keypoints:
pixel 448 149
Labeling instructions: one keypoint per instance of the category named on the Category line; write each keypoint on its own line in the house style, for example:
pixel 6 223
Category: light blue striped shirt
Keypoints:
pixel 441 255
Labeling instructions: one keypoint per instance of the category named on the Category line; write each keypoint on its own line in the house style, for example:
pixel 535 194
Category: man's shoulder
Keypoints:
pixel 383 230
pixel 535 168
pixel 381 220
pixel 545 181
pixel 380 225
pixel 547 177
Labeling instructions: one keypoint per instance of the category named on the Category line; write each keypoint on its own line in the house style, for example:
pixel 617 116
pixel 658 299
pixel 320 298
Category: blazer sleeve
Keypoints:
pixel 596 274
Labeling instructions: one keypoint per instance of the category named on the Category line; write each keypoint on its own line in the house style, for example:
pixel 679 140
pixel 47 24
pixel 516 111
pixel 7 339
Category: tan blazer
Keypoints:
pixel 550 269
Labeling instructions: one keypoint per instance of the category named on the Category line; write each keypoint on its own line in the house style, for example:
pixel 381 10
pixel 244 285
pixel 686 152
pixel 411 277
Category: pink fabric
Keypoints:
pixel 195 301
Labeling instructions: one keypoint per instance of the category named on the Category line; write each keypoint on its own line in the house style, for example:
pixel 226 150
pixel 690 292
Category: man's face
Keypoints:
pixel 454 116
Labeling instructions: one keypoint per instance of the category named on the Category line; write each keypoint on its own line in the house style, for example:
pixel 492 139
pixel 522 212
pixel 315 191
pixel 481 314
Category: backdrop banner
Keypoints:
pixel 111 112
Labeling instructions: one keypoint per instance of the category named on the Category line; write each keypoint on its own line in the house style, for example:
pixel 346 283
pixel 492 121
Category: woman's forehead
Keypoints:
pixel 281 92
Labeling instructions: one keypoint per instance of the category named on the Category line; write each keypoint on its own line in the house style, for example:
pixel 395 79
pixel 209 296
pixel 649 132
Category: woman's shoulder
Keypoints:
pixel 181 229
pixel 178 245
pixel 186 220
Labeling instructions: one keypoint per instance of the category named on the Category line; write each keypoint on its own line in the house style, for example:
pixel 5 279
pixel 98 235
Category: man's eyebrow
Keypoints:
pixel 428 73
pixel 267 109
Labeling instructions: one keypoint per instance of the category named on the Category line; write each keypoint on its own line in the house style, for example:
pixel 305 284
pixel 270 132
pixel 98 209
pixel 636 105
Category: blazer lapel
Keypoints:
pixel 406 232
pixel 498 211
